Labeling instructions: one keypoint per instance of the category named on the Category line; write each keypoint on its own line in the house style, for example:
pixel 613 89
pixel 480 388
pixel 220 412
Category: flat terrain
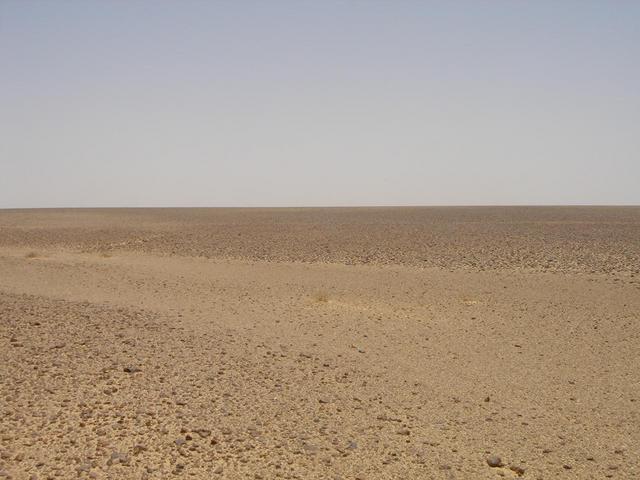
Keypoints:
pixel 378 343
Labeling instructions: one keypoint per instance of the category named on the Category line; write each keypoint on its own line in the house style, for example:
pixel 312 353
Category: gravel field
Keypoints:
pixel 373 343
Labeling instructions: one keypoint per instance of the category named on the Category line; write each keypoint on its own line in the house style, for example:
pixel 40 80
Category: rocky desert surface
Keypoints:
pixel 342 343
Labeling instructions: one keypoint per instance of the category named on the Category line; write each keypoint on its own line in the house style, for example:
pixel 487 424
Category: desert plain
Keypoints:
pixel 337 343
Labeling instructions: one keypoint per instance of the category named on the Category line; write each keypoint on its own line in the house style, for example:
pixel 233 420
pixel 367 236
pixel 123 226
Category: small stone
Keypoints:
pixel 218 470
pixel 567 467
pixel 494 461
pixel 118 457
pixel 132 369
pixel 138 449
pixel 179 441
pixel 517 469
pixel 310 448
pixel 403 431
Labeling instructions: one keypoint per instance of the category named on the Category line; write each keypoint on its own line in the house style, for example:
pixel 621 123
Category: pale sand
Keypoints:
pixel 322 343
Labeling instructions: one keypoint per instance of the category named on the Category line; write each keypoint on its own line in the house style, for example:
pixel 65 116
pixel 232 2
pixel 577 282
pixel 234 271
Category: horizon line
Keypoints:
pixel 291 207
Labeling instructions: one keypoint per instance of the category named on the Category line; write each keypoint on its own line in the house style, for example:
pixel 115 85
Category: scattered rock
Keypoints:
pixel 138 449
pixel 517 469
pixel 132 369
pixel 310 448
pixel 118 458
pixel 385 418
pixel 494 461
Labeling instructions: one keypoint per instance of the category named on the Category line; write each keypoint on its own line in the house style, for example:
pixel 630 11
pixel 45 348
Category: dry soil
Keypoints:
pixel 381 343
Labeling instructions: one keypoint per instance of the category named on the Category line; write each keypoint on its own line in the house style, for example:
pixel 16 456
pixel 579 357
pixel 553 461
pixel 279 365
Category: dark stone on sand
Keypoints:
pixel 118 457
pixel 517 469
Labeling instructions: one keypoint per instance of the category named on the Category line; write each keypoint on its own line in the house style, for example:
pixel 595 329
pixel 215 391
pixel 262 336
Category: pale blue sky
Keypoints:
pixel 118 103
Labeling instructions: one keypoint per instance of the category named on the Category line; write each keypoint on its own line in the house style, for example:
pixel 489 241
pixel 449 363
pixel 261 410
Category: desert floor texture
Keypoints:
pixel 374 343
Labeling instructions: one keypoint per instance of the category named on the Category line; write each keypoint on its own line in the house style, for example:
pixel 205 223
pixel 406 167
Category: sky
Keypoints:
pixel 318 103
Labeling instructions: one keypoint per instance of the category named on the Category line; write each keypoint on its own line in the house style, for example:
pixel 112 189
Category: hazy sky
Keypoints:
pixel 239 103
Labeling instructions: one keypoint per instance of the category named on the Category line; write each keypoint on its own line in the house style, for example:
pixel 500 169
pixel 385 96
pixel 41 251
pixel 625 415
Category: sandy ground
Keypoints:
pixel 320 344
